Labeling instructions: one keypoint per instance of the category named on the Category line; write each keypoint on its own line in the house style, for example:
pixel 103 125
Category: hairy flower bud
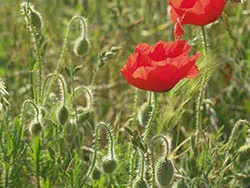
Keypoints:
pixel 141 184
pixel 81 46
pixel 62 114
pixel 36 19
pixel 244 153
pixel 35 128
pixel 96 174
pixel 164 172
pixel 109 165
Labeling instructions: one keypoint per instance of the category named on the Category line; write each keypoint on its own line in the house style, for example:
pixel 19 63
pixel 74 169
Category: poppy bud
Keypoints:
pixel 109 165
pixel 62 114
pixel 244 153
pixel 145 109
pixel 36 19
pixel 96 174
pixel 81 46
pixel 141 184
pixel 164 172
pixel 35 128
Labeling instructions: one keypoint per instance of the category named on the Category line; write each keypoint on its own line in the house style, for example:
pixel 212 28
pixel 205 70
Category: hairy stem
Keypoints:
pixel 150 122
pixel 136 101
pixel 66 41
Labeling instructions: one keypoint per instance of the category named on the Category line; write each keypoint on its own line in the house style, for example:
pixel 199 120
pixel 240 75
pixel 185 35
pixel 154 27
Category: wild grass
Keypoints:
pixel 62 116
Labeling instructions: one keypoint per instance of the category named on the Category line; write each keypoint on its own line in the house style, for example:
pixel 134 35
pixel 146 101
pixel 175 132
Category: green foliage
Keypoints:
pixel 39 42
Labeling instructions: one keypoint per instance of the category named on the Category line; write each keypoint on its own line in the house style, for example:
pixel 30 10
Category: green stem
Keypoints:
pixel 94 76
pixel 136 101
pixel 38 163
pixel 149 98
pixel 6 168
pixel 201 93
pixel 132 160
pixel 204 38
pixel 198 113
pixel 150 122
pixel 142 164
pixel 74 98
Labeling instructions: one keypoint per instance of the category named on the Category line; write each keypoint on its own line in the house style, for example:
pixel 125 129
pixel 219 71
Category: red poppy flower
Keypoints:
pixel 160 67
pixel 196 12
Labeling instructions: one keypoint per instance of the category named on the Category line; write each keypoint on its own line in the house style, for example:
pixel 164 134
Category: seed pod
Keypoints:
pixel 244 153
pixel 36 19
pixel 96 174
pixel 81 46
pixel 62 114
pixel 35 128
pixel 164 172
pixel 109 165
pixel 141 184
pixel 144 111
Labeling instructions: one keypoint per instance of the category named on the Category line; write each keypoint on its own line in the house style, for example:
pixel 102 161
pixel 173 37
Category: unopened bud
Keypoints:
pixel 244 153
pixel 35 128
pixel 62 115
pixel 109 165
pixel 81 46
pixel 141 184
pixel 164 172
pixel 36 19
pixel 96 174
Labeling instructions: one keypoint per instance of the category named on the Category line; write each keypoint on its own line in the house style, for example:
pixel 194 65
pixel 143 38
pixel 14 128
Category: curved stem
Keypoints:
pixel 166 141
pixel 235 129
pixel 62 83
pixel 66 41
pixel 24 107
pixel 83 21
pixel 96 144
pixel 149 125
pixel 90 97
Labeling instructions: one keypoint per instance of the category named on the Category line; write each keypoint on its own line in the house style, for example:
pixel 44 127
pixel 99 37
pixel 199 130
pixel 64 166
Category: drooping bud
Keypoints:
pixel 96 174
pixel 164 172
pixel 81 46
pixel 244 153
pixel 62 115
pixel 36 19
pixel 109 165
pixel 35 128
pixel 141 184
